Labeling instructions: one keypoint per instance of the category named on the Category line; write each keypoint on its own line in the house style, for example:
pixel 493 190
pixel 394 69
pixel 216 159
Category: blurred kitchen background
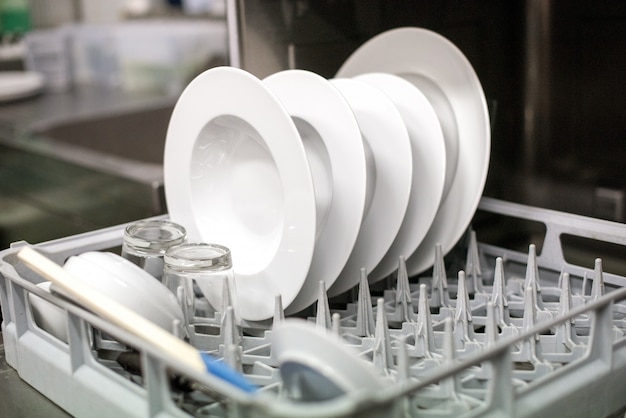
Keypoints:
pixel 86 152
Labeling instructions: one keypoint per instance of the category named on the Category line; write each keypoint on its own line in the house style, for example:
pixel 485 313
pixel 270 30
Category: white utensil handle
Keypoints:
pixel 111 310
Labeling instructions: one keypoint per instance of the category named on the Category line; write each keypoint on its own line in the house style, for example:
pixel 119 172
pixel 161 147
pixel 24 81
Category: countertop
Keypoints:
pixel 17 119
pixel 43 194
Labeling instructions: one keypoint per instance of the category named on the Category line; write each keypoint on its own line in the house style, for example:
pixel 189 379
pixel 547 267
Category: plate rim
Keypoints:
pixel 400 60
pixel 325 106
pixel 422 209
pixel 388 203
pixel 231 91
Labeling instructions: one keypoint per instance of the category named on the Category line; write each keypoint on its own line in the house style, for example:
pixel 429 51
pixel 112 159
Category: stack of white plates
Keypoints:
pixel 307 179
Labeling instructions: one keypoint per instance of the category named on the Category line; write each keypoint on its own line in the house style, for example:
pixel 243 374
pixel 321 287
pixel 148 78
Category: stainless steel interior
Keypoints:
pixel 552 72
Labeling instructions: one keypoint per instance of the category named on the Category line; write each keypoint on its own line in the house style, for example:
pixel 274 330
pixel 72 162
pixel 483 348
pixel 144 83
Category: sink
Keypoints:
pixel 137 136
pixel 128 144
pixel 81 160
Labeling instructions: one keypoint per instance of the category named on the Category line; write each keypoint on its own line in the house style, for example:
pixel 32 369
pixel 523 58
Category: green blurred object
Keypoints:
pixel 14 17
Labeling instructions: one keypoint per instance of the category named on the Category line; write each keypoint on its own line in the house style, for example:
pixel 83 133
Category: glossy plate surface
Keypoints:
pixel 236 174
pixel 390 171
pixel 445 76
pixel 336 155
pixel 429 166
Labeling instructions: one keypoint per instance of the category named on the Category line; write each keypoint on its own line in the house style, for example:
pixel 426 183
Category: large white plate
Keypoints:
pixel 318 366
pixel 336 155
pixel 236 174
pixel 429 166
pixel 390 170
pixel 445 76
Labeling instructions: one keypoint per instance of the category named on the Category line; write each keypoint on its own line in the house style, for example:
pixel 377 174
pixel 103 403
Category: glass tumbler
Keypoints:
pixel 201 269
pixel 145 243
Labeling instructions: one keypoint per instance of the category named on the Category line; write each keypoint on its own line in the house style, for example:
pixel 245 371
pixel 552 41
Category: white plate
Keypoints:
pixel 236 174
pixel 429 166
pixel 19 84
pixel 320 364
pixel 445 76
pixel 336 155
pixel 390 170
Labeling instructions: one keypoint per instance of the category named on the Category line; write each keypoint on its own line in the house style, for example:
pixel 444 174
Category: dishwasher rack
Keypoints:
pixel 554 346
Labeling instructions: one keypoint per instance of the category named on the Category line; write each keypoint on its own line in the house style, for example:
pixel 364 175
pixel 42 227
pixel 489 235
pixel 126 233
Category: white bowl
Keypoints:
pixel 48 316
pixel 237 174
pixel 118 279
pixel 129 285
pixel 318 366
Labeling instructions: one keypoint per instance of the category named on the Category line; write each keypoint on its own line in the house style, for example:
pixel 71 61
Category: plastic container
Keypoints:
pixel 48 52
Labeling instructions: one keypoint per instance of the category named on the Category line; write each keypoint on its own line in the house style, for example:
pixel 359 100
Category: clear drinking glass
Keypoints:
pixel 146 242
pixel 202 268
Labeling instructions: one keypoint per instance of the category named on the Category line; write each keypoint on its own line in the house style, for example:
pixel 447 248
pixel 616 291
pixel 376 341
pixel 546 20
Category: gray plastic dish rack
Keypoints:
pixel 549 344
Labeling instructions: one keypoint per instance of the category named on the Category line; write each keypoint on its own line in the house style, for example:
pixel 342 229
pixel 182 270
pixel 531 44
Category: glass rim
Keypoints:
pixel 198 256
pixel 154 235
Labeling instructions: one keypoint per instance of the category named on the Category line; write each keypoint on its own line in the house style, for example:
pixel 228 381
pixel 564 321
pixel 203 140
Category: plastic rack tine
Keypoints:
pixel 564 331
pixel 403 375
pixel 450 385
pixel 463 329
pixel 597 291
pixel 583 290
pixel 472 266
pixel 232 357
pixel 498 296
pixel 529 351
pixel 424 335
pixel 530 309
pixel 491 326
pixel 403 293
pixel 322 319
pixel 364 312
pixel 228 298
pixel 532 276
pixel 230 331
pixel 402 366
pixel 279 313
pixel 491 336
pixel 597 286
pixel 439 296
pixel 565 299
pixel 336 324
pixel 382 356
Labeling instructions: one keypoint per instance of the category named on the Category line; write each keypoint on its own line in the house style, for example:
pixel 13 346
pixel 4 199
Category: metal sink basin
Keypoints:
pixel 137 136
pixel 128 144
